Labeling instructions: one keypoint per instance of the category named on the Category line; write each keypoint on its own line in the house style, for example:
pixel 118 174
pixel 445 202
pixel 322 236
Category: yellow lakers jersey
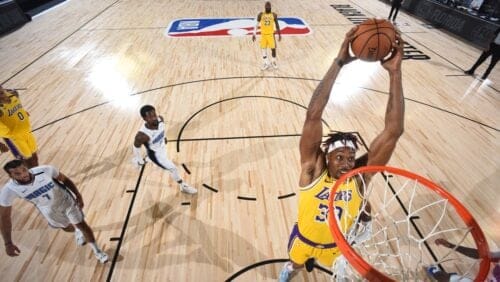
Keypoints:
pixel 267 23
pixel 313 208
pixel 13 118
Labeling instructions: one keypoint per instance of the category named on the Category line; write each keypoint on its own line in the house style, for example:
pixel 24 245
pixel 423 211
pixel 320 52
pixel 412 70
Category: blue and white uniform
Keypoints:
pixel 53 200
pixel 157 150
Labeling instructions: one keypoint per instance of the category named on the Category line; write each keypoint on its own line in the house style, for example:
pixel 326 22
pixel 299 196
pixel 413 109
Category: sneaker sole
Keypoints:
pixel 190 193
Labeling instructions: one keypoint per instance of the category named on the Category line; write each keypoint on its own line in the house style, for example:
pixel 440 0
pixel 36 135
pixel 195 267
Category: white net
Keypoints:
pixel 399 240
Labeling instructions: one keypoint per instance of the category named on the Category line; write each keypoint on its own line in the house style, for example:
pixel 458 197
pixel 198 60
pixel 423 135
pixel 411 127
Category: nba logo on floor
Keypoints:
pixel 230 27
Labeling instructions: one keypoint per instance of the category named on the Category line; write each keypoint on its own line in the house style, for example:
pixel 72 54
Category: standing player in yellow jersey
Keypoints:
pixel 15 128
pixel 267 21
pixel 322 163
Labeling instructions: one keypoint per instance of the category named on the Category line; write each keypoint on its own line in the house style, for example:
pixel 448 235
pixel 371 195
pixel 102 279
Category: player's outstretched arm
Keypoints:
pixel 466 251
pixel 6 229
pixel 140 139
pixel 311 157
pixel 384 144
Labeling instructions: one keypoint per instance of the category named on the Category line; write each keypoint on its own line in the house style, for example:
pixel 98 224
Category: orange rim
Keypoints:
pixel 363 267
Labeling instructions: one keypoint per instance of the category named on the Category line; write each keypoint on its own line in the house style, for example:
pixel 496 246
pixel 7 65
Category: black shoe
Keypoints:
pixel 469 72
pixel 309 264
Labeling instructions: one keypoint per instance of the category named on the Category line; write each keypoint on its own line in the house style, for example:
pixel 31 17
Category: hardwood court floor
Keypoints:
pixel 88 66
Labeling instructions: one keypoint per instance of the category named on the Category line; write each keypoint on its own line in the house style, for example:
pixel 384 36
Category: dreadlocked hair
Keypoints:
pixel 340 136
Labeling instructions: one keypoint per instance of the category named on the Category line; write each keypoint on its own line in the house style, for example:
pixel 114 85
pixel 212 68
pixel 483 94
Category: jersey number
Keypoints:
pixel 20 115
pixel 46 196
pixel 267 22
pixel 323 213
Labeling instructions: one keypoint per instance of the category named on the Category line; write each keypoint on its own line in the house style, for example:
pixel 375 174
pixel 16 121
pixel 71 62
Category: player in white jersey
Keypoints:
pixel 152 136
pixel 60 204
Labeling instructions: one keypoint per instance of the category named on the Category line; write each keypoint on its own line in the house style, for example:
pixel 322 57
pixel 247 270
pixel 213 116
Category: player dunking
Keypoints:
pixel 60 205
pixel 267 21
pixel 15 128
pixel 320 168
pixel 152 136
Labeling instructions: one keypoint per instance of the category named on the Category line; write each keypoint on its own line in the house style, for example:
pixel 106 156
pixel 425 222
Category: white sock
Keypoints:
pixel 175 174
pixel 288 266
pixel 94 247
pixel 264 56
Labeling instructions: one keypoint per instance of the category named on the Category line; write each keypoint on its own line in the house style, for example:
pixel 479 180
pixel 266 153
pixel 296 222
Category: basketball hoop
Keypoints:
pixel 408 212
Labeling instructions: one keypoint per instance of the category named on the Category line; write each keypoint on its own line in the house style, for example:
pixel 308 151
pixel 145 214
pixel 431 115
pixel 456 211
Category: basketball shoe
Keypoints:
pixel 365 232
pixel 101 256
pixel 187 189
pixel 432 269
pixel 286 272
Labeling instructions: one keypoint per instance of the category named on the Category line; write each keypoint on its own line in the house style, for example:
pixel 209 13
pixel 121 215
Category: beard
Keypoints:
pixel 268 10
pixel 24 181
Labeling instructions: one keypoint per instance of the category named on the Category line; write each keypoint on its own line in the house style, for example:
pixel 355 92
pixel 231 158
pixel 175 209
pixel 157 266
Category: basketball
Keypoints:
pixel 373 40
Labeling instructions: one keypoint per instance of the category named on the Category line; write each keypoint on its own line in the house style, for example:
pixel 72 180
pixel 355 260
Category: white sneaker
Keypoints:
pixel 79 238
pixel 275 66
pixel 366 232
pixel 265 66
pixel 101 256
pixel 285 273
pixel 188 189
pixel 340 269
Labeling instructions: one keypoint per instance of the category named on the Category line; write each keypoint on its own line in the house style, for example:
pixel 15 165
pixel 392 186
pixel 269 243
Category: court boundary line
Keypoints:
pixel 257 77
pixel 265 262
pixel 125 225
pixel 234 98
pixel 122 28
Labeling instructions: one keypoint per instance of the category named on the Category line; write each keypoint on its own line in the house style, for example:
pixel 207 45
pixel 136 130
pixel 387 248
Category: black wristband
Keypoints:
pixel 9 243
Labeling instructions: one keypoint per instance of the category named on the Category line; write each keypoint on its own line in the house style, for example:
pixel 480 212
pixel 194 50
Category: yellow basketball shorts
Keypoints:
pixel 300 249
pixel 267 41
pixel 23 145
